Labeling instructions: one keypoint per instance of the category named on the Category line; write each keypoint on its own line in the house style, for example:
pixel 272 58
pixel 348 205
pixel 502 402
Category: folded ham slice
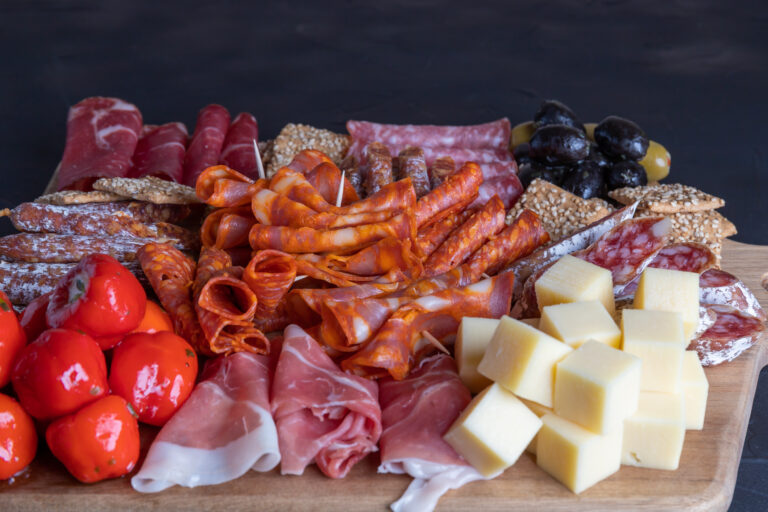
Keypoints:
pixel 323 415
pixel 222 430
pixel 416 412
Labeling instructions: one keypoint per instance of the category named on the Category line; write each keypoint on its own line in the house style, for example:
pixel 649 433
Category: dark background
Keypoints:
pixel 691 73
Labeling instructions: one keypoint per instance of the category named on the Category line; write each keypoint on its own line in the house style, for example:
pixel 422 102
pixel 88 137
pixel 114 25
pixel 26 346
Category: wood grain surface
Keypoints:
pixel 705 480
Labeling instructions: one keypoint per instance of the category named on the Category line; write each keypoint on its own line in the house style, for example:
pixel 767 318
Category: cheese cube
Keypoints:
pixel 671 290
pixel 654 435
pixel 573 280
pixel 656 337
pixel 471 341
pixel 574 456
pixel 577 322
pixel 522 359
pixel 695 391
pixel 492 432
pixel 597 387
pixel 539 410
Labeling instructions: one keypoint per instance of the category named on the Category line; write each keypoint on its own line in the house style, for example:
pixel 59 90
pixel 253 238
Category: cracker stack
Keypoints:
pixel 294 138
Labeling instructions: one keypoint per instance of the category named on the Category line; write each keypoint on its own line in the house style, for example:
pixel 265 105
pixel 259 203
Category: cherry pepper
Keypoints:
pixel 12 339
pixel 99 296
pixel 99 441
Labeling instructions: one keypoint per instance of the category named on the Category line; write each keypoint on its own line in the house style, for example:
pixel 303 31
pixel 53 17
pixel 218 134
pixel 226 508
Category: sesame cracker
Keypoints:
pixel 667 198
pixel 294 138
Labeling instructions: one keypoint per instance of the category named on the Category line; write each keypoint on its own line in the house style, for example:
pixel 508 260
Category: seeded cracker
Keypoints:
pixel 67 197
pixel 296 137
pixel 707 227
pixel 561 212
pixel 667 198
pixel 149 189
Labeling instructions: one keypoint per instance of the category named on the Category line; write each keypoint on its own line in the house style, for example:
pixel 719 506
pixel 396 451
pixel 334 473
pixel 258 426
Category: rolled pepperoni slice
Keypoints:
pixel 412 164
pixel 237 152
pixel 227 228
pixel 223 187
pixel 205 147
pixel 270 275
pixel 380 258
pixel 732 333
pixel 308 159
pixel 160 152
pixel 378 167
pixel 453 195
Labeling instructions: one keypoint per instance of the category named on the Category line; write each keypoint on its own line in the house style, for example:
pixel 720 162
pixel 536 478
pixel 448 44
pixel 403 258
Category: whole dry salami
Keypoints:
pixel 480 136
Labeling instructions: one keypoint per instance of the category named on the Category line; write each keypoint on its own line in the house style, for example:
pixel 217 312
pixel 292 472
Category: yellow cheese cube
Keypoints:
pixel 577 322
pixel 656 337
pixel 539 410
pixel 671 290
pixel 471 341
pixel 493 430
pixel 597 387
pixel 574 456
pixel 522 359
pixel 573 280
pixel 695 391
pixel 654 435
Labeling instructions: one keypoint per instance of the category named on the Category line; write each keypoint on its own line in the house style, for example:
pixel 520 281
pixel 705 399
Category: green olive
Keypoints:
pixel 521 133
pixel 590 127
pixel 656 161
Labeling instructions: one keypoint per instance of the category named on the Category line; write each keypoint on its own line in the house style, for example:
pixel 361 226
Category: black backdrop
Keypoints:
pixel 691 73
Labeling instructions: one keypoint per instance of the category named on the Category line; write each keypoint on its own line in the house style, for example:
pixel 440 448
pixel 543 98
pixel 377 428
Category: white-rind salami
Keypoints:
pixel 480 136
pixel 719 287
pixel 732 333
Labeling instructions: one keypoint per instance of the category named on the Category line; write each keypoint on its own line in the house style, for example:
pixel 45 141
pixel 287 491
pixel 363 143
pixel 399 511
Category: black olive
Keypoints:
pixel 597 156
pixel 522 153
pixel 529 171
pixel 621 138
pixel 625 174
pixel 557 144
pixel 554 112
pixel 586 180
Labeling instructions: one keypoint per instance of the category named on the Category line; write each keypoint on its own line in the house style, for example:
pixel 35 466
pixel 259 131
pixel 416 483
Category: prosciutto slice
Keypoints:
pixel 222 430
pixel 102 134
pixel 205 147
pixel 415 414
pixel 323 415
pixel 238 152
pixel 160 152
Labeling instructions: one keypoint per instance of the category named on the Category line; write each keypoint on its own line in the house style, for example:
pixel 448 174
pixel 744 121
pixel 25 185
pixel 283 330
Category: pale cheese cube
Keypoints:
pixel 577 322
pixel 654 435
pixel 522 359
pixel 471 341
pixel 671 290
pixel 695 391
pixel 492 432
pixel 597 387
pixel 539 410
pixel 574 456
pixel 656 337
pixel 573 280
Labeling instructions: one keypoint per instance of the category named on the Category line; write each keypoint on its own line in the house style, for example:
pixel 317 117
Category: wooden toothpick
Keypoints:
pixel 259 165
pixel 340 194
pixel 435 342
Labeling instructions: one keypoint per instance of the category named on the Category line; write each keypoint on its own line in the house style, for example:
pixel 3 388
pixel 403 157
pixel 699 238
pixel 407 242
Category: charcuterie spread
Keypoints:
pixel 395 293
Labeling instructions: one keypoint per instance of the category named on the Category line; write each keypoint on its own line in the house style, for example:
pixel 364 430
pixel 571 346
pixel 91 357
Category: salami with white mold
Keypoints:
pixel 732 333
pixel 719 287
pixel 493 135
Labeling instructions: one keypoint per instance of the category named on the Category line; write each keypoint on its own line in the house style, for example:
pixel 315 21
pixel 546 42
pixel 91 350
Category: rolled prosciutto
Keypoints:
pixel 205 147
pixel 160 152
pixel 238 152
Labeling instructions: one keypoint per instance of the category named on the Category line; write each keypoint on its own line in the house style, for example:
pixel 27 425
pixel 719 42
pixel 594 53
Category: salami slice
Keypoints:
pixel 53 248
pixel 227 228
pixel 160 152
pixel 380 258
pixel 493 135
pixel 719 287
pixel 102 134
pixel 440 169
pixel 223 187
pixel 270 275
pixel 507 187
pixel 453 195
pixel 326 178
pixel 732 333
pixel 378 167
pixel 237 152
pixel 205 147
pixel 412 164
pixel 308 159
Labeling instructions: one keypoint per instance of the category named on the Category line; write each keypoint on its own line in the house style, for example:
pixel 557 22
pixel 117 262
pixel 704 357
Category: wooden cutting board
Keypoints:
pixel 705 480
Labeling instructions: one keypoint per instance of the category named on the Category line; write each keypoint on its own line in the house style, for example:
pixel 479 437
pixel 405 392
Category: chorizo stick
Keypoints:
pixel 378 163
pixel 413 165
pixel 440 170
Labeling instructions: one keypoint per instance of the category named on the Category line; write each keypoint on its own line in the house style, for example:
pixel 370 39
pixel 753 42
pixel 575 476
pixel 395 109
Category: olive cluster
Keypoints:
pixel 587 160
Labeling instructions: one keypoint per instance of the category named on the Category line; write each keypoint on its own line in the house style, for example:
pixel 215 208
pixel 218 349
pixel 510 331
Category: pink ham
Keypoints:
pixel 493 135
pixel 222 430
pixel 205 147
pixel 160 152
pixel 101 137
pixel 238 153
pixel 415 413
pixel 323 415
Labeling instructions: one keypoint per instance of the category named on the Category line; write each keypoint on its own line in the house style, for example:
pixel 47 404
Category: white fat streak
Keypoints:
pixel 262 203
pixel 662 228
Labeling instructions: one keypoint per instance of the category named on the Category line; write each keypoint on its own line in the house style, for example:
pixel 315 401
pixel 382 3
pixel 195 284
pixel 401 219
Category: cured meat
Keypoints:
pixel 270 275
pixel 378 167
pixel 453 195
pixel 308 159
pixel 323 415
pixel 160 152
pixel 102 134
pixel 516 241
pixel 732 333
pixel 316 267
pixel 467 238
pixel 380 258
pixel 205 147
pixel 53 248
pixel 309 240
pixel 171 273
pixel 223 187
pixel 396 346
pixel 397 196
pixel 326 178
pixel 223 429
pixel 493 135
pixel 237 152
pixel 413 165
pixel 507 187
pixel 353 172
pixel 430 237
pixel 440 169
pixel 227 228
pixel 415 413
pixel 24 282
pixel 720 287
pixel 295 185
